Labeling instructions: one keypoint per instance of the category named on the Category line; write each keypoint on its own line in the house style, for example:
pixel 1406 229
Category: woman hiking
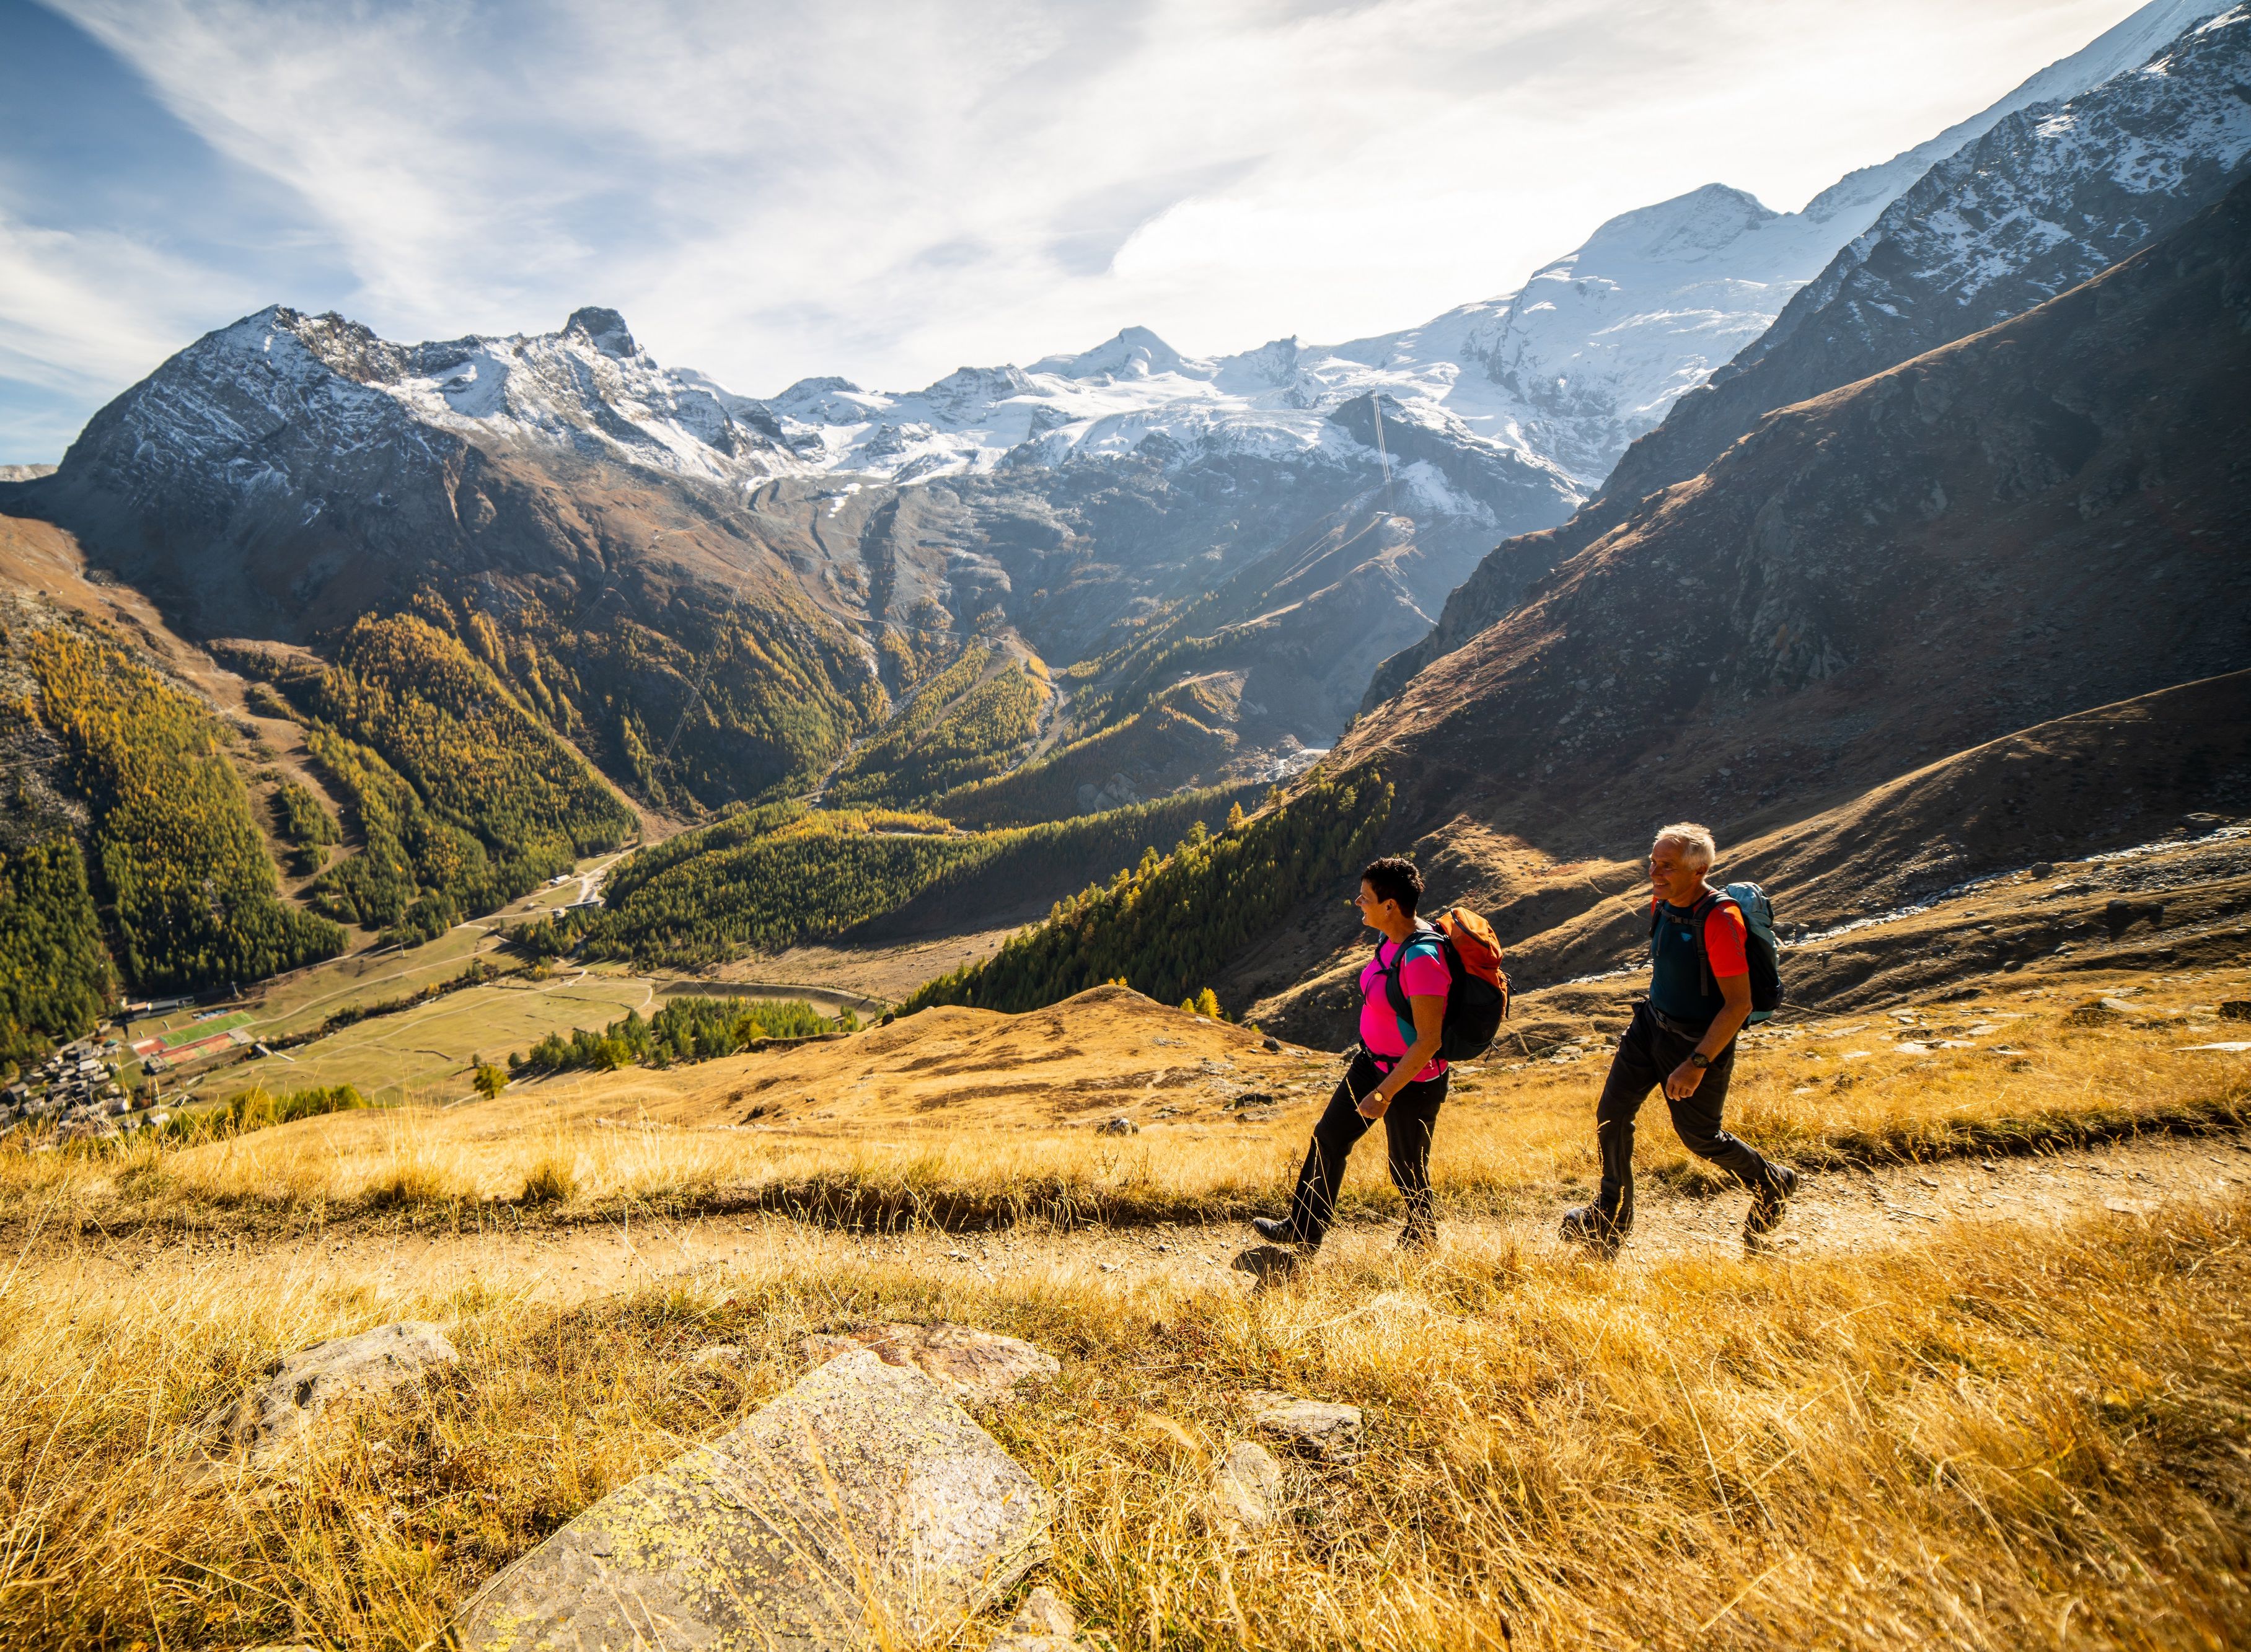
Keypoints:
pixel 1395 1075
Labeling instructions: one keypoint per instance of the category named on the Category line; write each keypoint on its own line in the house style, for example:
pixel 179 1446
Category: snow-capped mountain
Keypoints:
pixel 2049 197
pixel 2046 197
pixel 1286 516
pixel 1567 371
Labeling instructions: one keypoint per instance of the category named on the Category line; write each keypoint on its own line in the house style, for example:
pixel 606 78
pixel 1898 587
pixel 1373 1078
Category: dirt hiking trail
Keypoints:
pixel 1836 1211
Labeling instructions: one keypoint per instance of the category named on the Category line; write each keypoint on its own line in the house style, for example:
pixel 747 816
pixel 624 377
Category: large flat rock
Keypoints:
pixel 861 1506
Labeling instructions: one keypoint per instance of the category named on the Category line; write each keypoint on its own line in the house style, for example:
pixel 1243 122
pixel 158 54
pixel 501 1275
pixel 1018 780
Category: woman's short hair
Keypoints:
pixel 1696 843
pixel 1394 878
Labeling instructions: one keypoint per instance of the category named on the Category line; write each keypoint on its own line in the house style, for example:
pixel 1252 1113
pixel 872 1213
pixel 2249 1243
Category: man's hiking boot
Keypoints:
pixel 1771 1203
pixel 1275 1230
pixel 1591 1231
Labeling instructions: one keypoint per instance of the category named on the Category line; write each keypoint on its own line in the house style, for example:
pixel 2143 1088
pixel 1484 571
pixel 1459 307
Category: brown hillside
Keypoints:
pixel 1105 1054
pixel 1962 556
pixel 2170 765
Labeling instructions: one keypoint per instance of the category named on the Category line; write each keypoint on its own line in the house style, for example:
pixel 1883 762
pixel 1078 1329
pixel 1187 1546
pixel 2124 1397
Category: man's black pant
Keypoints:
pixel 1645 1055
pixel 1408 1123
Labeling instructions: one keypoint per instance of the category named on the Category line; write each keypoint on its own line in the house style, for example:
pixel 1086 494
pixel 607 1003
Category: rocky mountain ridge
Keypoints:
pixel 2048 196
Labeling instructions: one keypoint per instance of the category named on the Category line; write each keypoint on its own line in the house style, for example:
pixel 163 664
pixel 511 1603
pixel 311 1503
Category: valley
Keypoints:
pixel 628 1007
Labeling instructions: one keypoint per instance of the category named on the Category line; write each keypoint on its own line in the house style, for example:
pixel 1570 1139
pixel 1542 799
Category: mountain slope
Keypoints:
pixel 2047 197
pixel 2043 518
pixel 650 566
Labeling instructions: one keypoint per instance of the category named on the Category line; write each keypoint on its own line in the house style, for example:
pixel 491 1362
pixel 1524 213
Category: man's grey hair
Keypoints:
pixel 1695 843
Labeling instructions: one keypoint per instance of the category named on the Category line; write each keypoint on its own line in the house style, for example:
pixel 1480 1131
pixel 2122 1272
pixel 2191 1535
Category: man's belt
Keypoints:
pixel 1678 1028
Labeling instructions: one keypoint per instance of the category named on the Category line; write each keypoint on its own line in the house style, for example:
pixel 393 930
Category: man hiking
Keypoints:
pixel 1682 1037
pixel 1395 1076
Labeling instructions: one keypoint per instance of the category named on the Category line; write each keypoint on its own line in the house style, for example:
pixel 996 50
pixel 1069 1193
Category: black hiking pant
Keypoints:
pixel 1647 1052
pixel 1408 1123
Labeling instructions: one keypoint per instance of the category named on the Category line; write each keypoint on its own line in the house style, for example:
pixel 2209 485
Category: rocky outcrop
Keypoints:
pixel 283 1413
pixel 1044 1623
pixel 1247 1488
pixel 861 1505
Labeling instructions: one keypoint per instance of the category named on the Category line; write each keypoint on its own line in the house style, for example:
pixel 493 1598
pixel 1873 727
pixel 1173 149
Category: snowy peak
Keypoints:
pixel 2048 196
pixel 605 330
pixel 1684 229
pixel 588 388
pixel 1135 353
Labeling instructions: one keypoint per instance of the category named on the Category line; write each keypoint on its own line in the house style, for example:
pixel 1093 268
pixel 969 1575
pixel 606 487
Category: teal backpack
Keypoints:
pixel 1760 950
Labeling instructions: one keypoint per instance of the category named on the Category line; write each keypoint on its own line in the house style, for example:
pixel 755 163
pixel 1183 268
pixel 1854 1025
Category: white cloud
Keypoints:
pixel 889 192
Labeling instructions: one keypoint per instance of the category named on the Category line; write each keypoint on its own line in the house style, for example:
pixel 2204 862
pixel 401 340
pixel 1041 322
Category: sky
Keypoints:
pixel 888 191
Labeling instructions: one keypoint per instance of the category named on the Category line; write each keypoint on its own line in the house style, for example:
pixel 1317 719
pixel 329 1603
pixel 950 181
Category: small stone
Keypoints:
pixel 719 1353
pixel 1329 1431
pixel 1042 1612
pixel 968 1363
pixel 1119 1126
pixel 1042 1624
pixel 1274 1045
pixel 1247 1489
pixel 281 1412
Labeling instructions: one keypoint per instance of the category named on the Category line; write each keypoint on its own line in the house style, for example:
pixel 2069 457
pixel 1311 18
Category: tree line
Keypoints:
pixel 687 1029
pixel 767 879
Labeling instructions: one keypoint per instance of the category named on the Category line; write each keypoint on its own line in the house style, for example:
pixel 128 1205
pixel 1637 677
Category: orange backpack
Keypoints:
pixel 1476 992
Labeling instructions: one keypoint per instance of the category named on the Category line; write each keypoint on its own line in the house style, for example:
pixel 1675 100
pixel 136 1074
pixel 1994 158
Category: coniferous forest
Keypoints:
pixel 1167 926
pixel 55 975
pixel 464 799
pixel 178 859
pixel 769 878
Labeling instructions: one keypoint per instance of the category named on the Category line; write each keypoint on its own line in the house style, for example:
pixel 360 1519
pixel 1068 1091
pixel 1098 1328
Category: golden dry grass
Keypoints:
pixel 2006 1438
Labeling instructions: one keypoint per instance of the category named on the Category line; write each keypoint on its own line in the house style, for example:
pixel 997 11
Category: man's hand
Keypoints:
pixel 1680 1083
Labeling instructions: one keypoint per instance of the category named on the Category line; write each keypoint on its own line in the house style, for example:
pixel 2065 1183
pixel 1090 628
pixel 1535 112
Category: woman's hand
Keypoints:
pixel 1430 1031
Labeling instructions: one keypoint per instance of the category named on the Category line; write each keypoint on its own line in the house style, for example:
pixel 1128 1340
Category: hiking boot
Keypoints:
pixel 1771 1203
pixel 1590 1230
pixel 1275 1230
pixel 1416 1240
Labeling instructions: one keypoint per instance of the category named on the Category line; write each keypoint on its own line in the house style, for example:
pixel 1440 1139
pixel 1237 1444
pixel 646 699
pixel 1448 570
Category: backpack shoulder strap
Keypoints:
pixel 1698 916
pixel 1392 988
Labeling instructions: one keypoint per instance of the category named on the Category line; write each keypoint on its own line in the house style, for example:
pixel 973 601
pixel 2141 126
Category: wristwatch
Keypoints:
pixel 1697 1059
